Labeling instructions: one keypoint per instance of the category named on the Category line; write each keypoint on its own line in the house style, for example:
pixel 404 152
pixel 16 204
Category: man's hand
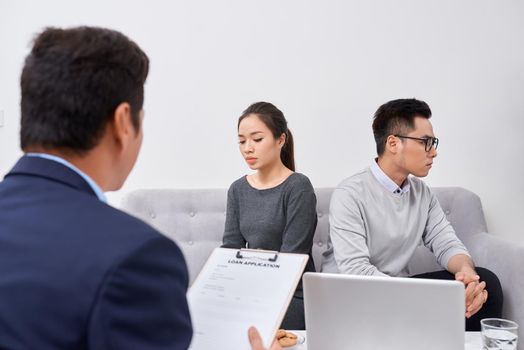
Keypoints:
pixel 475 293
pixel 256 341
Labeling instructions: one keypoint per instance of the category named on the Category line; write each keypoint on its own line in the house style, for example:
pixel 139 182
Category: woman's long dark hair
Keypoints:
pixel 274 119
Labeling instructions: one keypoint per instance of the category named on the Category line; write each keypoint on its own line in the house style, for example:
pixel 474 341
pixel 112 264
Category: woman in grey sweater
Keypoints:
pixel 275 207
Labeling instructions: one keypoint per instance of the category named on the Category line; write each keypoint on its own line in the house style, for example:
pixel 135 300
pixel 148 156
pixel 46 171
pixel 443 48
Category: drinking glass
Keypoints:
pixel 498 334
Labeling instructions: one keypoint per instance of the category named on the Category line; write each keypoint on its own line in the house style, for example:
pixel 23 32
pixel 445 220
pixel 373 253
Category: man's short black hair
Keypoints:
pixel 72 82
pixel 397 117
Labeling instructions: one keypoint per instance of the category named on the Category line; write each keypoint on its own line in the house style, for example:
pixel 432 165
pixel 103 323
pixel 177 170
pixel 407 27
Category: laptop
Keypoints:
pixel 383 313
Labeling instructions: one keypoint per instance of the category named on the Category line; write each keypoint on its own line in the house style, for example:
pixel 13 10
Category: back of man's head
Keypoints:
pixel 397 117
pixel 72 82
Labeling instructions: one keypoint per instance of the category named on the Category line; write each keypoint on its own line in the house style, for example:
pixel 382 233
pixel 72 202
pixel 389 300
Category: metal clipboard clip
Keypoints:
pixel 241 254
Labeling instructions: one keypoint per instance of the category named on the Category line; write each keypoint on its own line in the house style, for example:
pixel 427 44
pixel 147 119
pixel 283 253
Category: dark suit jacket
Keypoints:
pixel 76 273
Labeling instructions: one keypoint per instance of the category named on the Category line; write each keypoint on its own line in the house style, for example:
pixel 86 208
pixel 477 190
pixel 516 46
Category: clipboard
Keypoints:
pixel 239 288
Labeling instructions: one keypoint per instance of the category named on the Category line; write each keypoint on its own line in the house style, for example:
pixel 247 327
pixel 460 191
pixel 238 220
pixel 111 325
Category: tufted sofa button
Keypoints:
pixel 192 214
pixel 447 212
pixel 319 244
pixel 320 215
pixel 152 215
pixel 190 242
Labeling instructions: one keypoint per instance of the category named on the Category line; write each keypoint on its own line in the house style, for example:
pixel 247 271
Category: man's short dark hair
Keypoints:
pixel 72 82
pixel 397 117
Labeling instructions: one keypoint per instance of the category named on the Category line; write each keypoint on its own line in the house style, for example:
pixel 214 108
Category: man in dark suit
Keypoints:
pixel 76 273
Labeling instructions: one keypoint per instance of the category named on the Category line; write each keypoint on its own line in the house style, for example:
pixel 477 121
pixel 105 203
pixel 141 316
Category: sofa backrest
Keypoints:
pixel 195 220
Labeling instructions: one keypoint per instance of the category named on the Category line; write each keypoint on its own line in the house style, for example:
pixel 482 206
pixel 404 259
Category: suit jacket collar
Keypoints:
pixel 51 170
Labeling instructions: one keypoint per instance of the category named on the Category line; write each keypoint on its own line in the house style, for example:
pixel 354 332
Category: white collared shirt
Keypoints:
pixel 386 181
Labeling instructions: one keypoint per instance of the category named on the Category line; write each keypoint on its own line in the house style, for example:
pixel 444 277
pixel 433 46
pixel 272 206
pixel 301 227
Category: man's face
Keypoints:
pixel 412 156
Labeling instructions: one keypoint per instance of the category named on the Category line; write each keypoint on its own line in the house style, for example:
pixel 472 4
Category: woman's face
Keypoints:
pixel 257 144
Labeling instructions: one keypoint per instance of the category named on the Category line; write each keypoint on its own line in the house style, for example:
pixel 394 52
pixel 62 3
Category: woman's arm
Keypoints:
pixel 301 220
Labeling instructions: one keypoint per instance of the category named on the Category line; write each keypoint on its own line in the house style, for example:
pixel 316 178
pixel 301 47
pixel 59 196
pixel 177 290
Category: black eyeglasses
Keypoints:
pixel 429 142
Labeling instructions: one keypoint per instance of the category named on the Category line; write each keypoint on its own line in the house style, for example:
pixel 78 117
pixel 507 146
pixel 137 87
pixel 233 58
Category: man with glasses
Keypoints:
pixel 379 215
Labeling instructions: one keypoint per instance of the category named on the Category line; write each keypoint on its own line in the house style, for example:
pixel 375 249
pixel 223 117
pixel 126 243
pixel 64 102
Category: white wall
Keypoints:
pixel 328 65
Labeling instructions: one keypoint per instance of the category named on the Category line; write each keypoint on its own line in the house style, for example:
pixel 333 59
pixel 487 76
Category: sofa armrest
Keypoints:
pixel 506 260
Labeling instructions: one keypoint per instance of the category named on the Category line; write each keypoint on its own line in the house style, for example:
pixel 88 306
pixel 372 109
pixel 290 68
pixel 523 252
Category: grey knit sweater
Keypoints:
pixel 375 232
pixel 281 218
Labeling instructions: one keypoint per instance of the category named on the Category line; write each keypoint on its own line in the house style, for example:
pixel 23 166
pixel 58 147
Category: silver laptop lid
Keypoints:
pixel 383 313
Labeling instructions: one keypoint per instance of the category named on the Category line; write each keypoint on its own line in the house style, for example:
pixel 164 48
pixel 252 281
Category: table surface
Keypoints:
pixel 473 341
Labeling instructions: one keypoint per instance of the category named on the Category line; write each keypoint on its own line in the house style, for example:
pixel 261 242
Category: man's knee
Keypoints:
pixel 493 285
pixel 492 281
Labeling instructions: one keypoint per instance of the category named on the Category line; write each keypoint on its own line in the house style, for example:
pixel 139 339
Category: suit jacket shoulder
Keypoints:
pixel 76 273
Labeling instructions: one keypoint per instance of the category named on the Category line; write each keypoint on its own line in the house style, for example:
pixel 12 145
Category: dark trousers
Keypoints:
pixel 492 307
pixel 294 318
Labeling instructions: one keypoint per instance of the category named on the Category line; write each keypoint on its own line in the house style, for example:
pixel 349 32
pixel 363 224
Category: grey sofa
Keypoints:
pixel 195 220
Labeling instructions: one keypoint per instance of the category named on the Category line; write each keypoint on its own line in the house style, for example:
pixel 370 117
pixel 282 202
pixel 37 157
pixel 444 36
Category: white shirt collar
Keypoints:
pixel 389 184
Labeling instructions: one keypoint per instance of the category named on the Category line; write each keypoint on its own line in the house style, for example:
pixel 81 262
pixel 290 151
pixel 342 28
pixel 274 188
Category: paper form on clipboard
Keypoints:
pixel 237 289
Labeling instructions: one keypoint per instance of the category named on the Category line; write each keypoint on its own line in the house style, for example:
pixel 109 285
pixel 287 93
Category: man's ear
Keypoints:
pixel 392 144
pixel 122 126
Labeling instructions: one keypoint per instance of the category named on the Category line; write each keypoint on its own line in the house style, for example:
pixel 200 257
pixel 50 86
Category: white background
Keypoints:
pixel 327 64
